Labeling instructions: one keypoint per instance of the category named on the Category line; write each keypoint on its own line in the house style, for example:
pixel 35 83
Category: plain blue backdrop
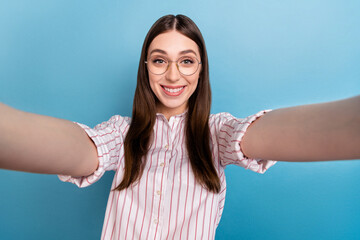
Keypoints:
pixel 78 60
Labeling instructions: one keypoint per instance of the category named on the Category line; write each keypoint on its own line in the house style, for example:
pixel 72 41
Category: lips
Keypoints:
pixel 173 90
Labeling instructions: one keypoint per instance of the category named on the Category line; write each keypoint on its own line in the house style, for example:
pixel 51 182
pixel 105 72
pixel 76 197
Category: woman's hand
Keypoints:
pixel 315 132
pixel 41 144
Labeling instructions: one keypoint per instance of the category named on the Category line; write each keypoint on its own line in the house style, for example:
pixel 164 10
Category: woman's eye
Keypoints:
pixel 158 61
pixel 187 61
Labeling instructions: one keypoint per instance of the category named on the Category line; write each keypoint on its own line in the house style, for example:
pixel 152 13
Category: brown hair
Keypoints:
pixel 137 140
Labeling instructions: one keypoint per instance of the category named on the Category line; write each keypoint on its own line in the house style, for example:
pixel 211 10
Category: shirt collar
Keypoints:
pixel 181 115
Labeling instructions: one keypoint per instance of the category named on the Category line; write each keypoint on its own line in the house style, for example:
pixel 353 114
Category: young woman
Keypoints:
pixel 170 156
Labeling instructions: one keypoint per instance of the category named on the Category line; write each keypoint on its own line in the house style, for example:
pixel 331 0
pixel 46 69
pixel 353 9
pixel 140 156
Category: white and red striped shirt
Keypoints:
pixel 167 203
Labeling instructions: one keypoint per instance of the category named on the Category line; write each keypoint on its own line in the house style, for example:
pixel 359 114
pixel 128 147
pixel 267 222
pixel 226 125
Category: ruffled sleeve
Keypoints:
pixel 231 130
pixel 108 138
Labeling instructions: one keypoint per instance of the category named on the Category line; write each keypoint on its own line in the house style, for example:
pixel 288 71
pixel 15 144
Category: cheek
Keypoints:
pixel 153 80
pixel 194 81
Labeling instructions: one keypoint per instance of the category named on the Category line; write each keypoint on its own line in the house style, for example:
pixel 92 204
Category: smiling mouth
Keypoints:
pixel 173 91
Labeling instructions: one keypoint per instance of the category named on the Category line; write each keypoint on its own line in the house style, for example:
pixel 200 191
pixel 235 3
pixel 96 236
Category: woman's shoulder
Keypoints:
pixel 120 119
pixel 220 117
pixel 116 122
pixel 225 117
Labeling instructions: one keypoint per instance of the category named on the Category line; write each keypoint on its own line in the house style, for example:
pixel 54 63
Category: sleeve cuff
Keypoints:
pixel 99 172
pixel 231 135
pixel 256 165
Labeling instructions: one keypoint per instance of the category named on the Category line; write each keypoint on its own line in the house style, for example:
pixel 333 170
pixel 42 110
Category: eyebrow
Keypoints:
pixel 164 52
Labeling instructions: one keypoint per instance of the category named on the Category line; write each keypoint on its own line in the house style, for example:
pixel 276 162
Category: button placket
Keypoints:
pixel 161 179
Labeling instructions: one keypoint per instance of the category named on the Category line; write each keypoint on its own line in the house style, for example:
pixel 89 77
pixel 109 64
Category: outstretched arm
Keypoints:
pixel 315 132
pixel 35 143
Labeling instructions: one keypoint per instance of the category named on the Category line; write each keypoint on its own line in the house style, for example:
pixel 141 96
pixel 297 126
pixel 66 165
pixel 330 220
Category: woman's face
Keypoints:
pixel 172 88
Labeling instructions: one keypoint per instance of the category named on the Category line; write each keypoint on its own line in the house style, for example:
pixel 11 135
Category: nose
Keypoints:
pixel 173 74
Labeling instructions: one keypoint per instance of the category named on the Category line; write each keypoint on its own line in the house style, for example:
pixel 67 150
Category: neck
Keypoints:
pixel 169 112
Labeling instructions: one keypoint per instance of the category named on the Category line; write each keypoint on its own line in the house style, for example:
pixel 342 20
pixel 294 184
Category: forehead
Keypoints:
pixel 173 43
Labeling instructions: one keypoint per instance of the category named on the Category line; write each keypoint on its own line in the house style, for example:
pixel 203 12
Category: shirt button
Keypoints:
pixel 166 146
pixel 158 192
pixel 162 164
pixel 156 221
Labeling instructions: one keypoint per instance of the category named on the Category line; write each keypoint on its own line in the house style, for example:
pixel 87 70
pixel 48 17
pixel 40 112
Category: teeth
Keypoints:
pixel 172 90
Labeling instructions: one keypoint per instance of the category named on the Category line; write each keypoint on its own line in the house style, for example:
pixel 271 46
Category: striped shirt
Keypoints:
pixel 167 203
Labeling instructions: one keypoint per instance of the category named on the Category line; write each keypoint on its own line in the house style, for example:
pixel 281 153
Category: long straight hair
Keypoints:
pixel 197 132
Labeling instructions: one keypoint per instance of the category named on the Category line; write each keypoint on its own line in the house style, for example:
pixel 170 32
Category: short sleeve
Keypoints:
pixel 108 138
pixel 230 134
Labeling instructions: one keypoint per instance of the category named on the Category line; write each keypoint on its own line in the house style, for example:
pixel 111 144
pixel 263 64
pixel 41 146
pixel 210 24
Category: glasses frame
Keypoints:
pixel 177 66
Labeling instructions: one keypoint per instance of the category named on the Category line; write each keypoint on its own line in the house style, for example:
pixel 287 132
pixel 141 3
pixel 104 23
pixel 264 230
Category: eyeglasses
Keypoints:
pixel 186 65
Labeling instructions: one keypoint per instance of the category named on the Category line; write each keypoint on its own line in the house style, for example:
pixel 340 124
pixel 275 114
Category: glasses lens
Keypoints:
pixel 188 65
pixel 157 65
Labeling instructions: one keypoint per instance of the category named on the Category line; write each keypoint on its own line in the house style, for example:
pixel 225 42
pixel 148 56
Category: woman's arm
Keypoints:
pixel 315 132
pixel 41 144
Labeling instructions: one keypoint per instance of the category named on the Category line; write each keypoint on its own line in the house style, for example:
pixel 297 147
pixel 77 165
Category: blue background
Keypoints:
pixel 78 60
